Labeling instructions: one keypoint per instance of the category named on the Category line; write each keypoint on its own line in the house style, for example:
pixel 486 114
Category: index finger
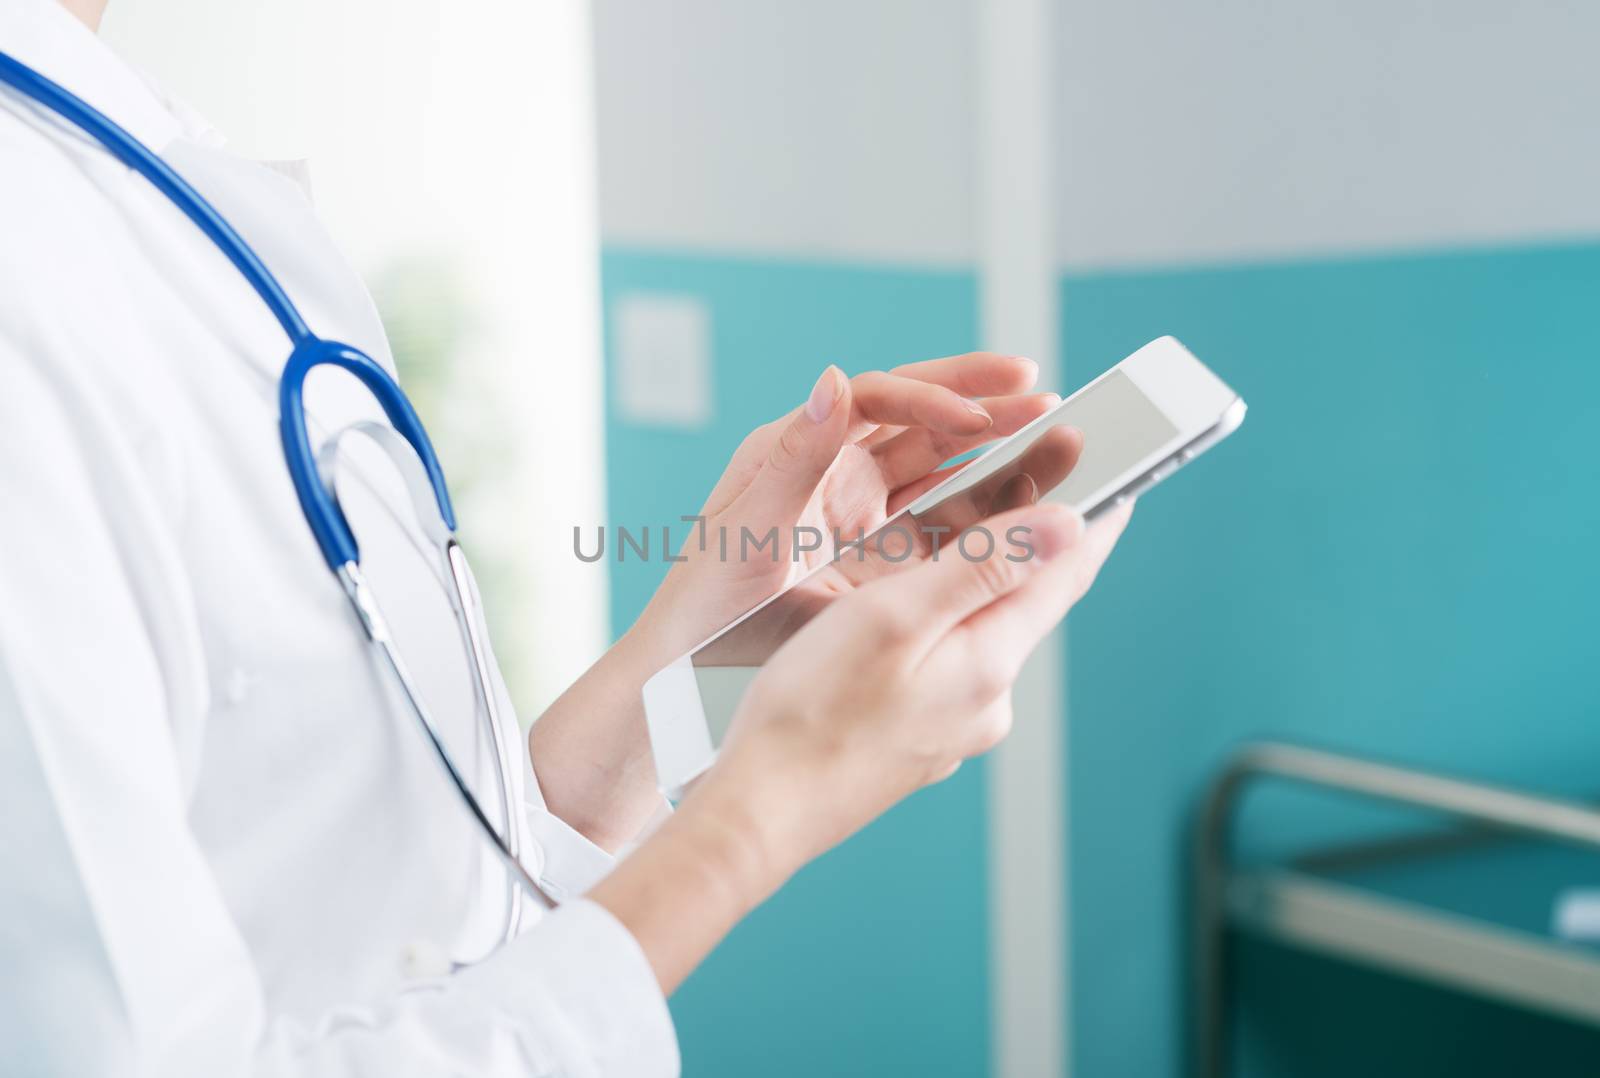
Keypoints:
pixel 975 374
pixel 888 399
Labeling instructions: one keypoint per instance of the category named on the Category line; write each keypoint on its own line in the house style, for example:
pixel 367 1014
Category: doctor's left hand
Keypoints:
pixel 853 454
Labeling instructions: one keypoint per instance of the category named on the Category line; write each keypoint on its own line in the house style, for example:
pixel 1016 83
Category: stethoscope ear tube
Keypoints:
pixel 321 508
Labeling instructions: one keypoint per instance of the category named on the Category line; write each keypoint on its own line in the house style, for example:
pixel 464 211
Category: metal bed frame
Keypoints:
pixel 1314 913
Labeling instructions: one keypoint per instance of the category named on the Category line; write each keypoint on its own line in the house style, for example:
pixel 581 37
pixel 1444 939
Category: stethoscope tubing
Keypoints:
pixel 334 537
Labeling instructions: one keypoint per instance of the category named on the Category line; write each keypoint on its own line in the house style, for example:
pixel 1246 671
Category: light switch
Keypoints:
pixel 663 359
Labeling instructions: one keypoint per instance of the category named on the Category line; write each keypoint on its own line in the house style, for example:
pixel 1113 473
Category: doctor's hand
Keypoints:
pixel 887 690
pixel 851 455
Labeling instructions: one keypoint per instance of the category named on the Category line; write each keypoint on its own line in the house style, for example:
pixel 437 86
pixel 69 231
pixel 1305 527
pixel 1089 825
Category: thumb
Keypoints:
pixel 801 454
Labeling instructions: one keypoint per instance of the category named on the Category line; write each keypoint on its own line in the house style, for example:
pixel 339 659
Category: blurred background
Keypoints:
pixel 610 237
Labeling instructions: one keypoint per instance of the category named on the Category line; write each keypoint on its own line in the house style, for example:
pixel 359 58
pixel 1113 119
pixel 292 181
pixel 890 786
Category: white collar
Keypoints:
pixel 46 37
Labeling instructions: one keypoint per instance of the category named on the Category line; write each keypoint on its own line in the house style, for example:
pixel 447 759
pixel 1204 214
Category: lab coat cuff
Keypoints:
pixel 570 864
pixel 613 1012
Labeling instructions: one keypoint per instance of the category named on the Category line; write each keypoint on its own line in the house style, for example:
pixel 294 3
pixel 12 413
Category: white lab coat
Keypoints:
pixel 223 846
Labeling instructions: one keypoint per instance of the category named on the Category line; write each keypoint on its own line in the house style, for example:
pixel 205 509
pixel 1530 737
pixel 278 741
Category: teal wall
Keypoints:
pixel 873 960
pixel 1396 555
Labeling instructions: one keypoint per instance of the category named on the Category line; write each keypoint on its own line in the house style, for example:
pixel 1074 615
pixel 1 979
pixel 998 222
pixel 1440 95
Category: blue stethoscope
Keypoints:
pixel 404 441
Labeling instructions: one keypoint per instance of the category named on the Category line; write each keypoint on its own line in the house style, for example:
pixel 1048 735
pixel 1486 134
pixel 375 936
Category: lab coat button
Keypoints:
pixel 424 959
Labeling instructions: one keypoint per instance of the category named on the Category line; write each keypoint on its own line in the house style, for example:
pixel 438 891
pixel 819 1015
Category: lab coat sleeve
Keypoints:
pixel 120 954
pixel 572 997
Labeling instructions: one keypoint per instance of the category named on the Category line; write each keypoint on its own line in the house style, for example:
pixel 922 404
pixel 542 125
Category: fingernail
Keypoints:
pixel 980 411
pixel 1033 367
pixel 825 394
pixel 1054 528
pixel 1018 491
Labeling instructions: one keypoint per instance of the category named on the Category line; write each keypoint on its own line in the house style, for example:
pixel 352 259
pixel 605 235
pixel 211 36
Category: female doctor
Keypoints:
pixel 222 853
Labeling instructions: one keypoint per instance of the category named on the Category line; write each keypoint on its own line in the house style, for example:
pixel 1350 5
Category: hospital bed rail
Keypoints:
pixel 1313 913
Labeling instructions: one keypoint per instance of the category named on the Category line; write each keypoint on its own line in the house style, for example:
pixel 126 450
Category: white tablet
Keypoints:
pixel 1139 422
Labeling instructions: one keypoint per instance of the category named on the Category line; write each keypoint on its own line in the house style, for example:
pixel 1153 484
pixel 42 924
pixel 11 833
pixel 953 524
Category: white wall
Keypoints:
pixel 833 128
pixel 1246 128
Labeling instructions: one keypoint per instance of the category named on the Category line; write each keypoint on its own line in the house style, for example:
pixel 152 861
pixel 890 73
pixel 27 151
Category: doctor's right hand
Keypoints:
pixel 887 690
